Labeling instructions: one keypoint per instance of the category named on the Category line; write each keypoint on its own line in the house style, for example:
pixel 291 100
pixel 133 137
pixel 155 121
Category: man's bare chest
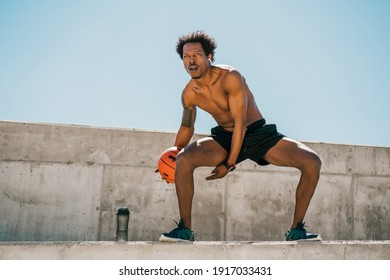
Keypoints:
pixel 212 99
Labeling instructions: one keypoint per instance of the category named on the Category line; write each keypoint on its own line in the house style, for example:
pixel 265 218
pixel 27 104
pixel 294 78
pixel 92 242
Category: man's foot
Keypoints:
pixel 179 234
pixel 299 233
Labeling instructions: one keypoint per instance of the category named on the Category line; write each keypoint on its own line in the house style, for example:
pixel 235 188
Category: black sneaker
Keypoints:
pixel 299 233
pixel 179 234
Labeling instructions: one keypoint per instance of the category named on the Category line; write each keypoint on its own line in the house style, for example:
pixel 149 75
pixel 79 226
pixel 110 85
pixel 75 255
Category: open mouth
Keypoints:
pixel 193 67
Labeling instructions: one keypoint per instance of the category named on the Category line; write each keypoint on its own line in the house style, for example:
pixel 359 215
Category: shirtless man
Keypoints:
pixel 222 91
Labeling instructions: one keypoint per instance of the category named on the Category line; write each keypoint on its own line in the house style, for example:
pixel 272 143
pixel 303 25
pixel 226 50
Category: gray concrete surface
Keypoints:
pixel 65 183
pixel 146 250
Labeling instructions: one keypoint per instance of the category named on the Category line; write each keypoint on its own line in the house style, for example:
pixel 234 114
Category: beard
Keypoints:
pixel 196 76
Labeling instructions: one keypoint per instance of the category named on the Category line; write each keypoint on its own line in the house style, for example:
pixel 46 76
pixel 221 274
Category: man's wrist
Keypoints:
pixel 229 167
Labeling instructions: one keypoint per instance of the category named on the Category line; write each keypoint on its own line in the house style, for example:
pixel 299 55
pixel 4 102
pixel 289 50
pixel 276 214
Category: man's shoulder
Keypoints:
pixel 228 71
pixel 186 94
pixel 188 87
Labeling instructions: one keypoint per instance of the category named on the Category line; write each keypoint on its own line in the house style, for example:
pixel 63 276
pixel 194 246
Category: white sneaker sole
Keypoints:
pixel 318 238
pixel 164 238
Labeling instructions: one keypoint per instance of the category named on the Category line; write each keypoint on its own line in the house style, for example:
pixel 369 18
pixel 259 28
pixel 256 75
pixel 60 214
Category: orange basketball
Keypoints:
pixel 167 164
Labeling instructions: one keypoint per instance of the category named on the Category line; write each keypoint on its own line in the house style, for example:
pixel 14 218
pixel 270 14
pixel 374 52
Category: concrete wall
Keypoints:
pixel 65 183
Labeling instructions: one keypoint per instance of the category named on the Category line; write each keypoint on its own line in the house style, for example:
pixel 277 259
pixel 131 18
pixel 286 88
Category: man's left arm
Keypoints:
pixel 235 88
pixel 237 98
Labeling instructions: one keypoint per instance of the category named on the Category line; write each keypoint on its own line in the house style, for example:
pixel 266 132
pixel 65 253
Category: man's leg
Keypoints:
pixel 291 153
pixel 204 152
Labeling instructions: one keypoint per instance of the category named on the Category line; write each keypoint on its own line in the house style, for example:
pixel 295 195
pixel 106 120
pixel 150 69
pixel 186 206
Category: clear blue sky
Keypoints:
pixel 320 70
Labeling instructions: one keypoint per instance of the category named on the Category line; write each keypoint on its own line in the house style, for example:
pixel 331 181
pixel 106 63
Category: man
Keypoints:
pixel 241 134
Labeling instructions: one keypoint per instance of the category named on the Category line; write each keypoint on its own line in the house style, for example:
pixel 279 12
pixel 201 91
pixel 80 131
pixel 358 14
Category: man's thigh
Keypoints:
pixel 205 152
pixel 289 152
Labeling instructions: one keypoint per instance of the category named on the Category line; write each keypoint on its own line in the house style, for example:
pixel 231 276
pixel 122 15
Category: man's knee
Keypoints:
pixel 317 163
pixel 184 161
pixel 312 165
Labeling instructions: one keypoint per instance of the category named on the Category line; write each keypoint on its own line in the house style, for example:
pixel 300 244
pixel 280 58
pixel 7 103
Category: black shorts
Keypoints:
pixel 259 138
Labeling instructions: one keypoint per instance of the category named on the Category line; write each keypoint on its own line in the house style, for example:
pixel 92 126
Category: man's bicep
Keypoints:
pixel 237 95
pixel 189 116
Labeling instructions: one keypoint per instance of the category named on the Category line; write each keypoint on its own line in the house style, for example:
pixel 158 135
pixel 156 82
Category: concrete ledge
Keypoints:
pixel 274 250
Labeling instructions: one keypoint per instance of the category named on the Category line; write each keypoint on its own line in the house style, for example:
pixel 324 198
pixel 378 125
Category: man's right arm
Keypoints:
pixel 187 127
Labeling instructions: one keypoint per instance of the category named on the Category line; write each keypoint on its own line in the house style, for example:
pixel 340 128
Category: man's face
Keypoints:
pixel 195 60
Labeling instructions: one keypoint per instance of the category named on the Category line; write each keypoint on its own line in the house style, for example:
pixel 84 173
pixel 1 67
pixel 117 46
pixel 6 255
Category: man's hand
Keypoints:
pixel 219 172
pixel 157 171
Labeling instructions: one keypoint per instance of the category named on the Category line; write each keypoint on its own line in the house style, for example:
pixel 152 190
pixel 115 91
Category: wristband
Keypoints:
pixel 229 168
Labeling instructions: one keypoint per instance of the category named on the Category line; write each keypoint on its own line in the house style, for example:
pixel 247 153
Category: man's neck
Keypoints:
pixel 207 79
